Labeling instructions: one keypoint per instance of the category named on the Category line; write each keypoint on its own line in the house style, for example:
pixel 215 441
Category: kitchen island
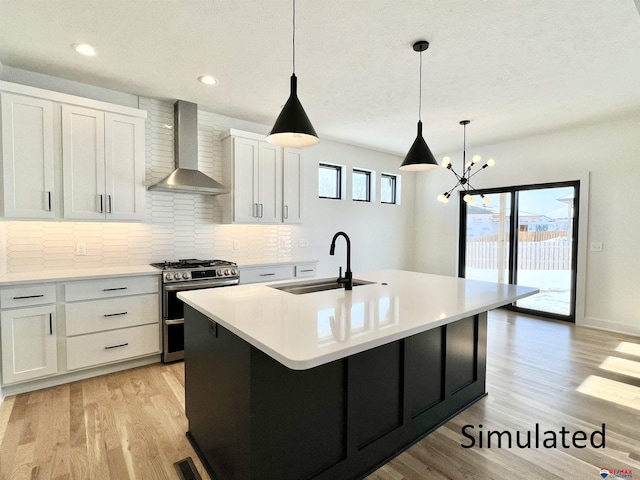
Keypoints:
pixel 331 384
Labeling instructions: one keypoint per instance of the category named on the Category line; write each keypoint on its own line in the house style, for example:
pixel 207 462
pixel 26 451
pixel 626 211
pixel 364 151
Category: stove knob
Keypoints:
pixel 176 276
pixel 185 275
pixel 226 272
pixel 168 276
pixel 219 273
pixel 234 271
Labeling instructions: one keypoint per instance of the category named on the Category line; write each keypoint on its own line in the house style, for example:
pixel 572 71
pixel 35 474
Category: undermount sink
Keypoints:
pixel 312 286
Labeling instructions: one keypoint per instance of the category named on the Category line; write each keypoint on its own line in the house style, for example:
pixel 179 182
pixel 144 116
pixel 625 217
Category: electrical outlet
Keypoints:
pixel 81 248
pixel 303 243
pixel 596 246
pixel 236 244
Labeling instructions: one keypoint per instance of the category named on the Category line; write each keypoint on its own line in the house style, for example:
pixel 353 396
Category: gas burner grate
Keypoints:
pixel 192 263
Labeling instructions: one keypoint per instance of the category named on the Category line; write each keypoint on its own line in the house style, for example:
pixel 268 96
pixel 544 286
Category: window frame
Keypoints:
pixel 394 188
pixel 368 174
pixel 339 178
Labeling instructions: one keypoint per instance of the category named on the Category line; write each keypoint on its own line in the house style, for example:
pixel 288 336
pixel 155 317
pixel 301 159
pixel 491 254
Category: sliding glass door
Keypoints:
pixel 526 235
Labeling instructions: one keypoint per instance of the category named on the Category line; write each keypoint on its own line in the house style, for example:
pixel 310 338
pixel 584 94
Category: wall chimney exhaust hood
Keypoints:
pixel 186 178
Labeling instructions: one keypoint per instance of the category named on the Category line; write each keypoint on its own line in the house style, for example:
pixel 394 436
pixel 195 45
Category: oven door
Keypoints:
pixel 173 308
pixel 173 317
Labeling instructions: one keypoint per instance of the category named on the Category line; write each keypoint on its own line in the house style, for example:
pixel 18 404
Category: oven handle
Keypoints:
pixel 197 285
pixel 174 322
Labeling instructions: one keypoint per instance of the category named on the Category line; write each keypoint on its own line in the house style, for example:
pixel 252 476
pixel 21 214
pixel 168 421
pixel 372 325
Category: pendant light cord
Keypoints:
pixel 464 149
pixel 294 37
pixel 420 95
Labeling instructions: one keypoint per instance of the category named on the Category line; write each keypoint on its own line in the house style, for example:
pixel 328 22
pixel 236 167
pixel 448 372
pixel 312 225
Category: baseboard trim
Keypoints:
pixel 56 380
pixel 611 326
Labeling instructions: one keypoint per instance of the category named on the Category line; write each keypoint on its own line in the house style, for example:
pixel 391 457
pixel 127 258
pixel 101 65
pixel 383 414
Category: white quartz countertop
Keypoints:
pixel 304 331
pixel 44 276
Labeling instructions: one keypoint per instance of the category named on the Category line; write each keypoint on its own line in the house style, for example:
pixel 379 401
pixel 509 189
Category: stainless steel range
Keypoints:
pixel 189 274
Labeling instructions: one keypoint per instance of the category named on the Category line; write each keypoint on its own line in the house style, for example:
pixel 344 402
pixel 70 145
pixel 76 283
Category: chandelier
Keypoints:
pixel 468 172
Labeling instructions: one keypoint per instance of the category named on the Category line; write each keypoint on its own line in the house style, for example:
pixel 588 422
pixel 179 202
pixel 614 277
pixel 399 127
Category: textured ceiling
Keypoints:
pixel 514 67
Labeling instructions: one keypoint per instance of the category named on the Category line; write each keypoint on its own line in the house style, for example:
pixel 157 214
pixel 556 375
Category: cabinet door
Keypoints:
pixel 270 184
pixel 292 186
pixel 245 180
pixel 124 167
pixel 29 348
pixel 83 167
pixel 27 157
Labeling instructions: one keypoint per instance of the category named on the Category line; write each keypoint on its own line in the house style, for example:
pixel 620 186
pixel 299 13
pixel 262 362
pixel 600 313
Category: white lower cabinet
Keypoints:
pixel 305 270
pixel 113 346
pixel 29 343
pixel 274 272
pixel 57 328
pixel 111 319
pixel 107 314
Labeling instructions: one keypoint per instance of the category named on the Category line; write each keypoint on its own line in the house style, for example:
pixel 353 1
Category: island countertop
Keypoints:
pixel 305 331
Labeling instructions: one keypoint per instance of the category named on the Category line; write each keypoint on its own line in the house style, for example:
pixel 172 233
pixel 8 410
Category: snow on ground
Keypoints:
pixel 554 286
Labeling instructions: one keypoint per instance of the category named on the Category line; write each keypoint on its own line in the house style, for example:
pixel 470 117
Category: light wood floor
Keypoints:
pixel 131 425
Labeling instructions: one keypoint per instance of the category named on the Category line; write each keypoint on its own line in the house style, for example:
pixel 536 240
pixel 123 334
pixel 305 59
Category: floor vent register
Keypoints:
pixel 187 470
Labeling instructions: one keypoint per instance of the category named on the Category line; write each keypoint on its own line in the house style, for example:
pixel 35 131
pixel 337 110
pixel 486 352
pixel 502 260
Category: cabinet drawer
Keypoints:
pixel 303 270
pixel 110 314
pixel 113 346
pixel 266 274
pixel 111 287
pixel 27 296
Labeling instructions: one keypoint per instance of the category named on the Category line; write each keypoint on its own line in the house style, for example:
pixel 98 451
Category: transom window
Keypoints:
pixel 388 184
pixel 329 181
pixel 361 188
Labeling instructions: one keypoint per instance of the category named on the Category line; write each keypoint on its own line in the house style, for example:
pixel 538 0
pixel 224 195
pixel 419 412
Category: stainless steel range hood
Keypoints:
pixel 186 177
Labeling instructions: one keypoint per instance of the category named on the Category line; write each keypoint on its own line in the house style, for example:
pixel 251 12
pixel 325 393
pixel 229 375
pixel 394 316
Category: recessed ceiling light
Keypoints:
pixel 84 49
pixel 207 79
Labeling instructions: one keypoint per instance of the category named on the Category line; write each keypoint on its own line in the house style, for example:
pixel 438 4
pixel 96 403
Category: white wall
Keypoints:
pixel 605 155
pixel 381 234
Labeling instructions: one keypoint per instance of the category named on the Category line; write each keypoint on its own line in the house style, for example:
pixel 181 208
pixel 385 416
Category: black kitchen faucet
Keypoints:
pixel 347 280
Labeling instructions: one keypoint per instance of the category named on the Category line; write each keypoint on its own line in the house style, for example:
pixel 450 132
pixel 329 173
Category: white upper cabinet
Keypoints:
pixel 266 180
pixel 270 183
pixel 83 168
pixel 70 157
pixel 257 181
pixel 245 165
pixel 103 164
pixel 293 179
pixel 124 167
pixel 28 157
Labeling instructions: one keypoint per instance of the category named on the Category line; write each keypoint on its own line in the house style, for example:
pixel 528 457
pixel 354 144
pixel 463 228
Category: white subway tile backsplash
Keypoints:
pixel 177 225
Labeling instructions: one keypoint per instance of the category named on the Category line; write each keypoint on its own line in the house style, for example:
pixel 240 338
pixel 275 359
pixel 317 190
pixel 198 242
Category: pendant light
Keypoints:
pixel 419 157
pixel 292 127
pixel 463 180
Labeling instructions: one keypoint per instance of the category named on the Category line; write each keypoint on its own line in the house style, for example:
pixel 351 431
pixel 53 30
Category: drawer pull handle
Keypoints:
pixel 113 289
pixel 266 274
pixel 50 324
pixel 116 346
pixel 28 296
pixel 307 270
pixel 114 314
